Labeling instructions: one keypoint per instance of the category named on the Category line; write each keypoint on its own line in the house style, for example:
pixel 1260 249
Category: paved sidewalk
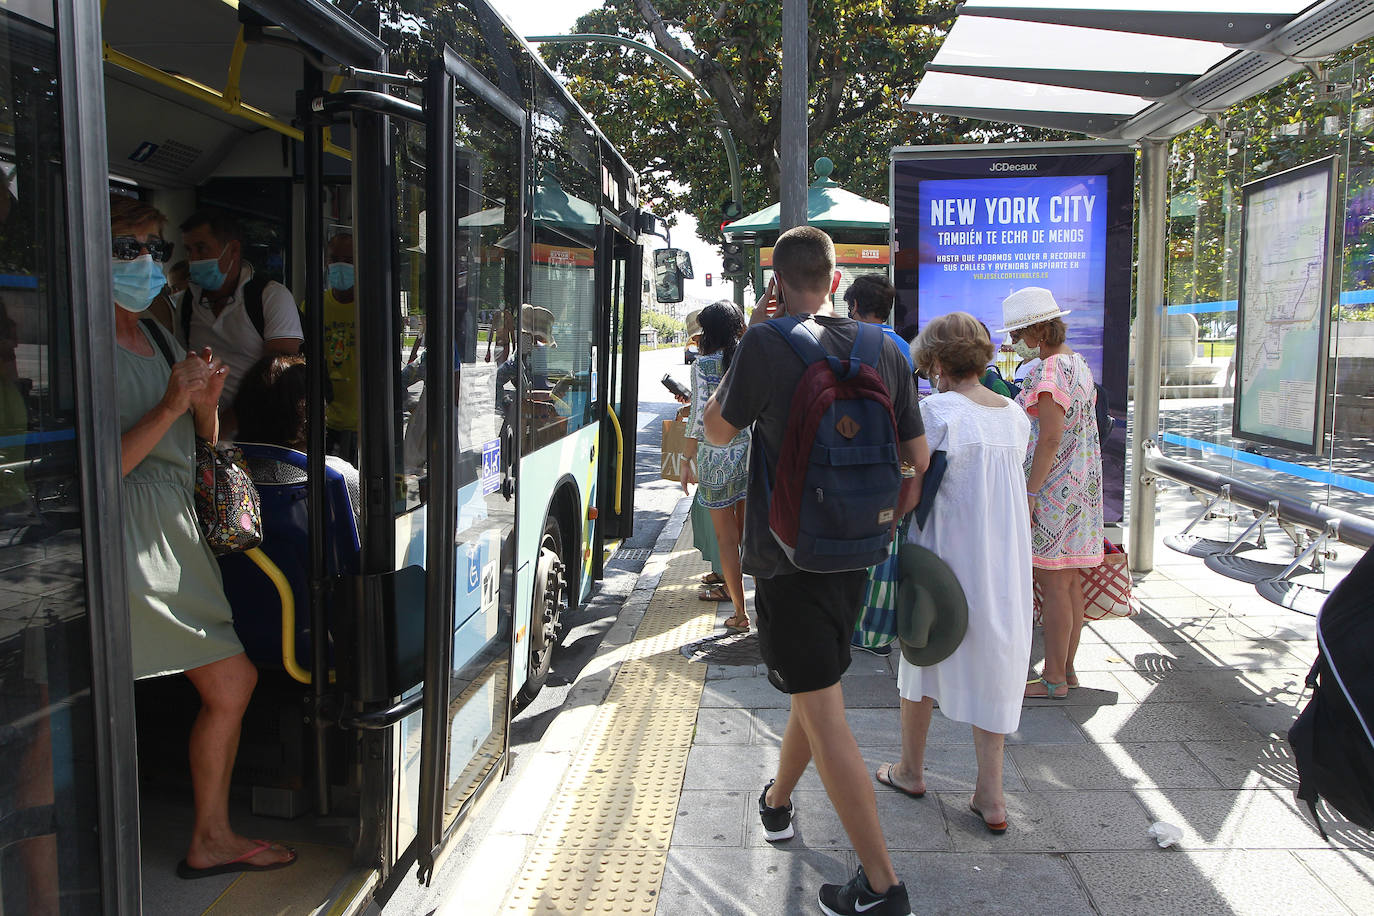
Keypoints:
pixel 1181 718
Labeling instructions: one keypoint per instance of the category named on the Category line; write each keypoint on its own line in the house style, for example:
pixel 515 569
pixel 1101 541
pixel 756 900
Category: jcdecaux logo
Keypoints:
pixel 1014 167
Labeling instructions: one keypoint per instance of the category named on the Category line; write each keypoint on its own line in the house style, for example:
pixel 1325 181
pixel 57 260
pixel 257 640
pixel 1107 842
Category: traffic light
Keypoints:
pixel 732 258
pixel 708 279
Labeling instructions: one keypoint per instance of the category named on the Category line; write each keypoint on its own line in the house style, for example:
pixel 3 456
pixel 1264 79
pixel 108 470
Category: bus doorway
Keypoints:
pixel 210 133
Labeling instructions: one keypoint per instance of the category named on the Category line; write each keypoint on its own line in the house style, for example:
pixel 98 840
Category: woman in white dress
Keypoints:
pixel 979 526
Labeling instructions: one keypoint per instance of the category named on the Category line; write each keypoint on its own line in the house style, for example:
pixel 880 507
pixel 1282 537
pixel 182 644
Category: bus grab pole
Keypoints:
pixel 314 359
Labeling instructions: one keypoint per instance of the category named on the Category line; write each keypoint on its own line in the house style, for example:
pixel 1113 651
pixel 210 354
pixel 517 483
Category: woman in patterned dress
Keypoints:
pixel 720 472
pixel 1063 479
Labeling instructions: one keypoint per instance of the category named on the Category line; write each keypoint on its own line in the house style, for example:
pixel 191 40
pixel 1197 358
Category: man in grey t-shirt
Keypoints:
pixel 804 618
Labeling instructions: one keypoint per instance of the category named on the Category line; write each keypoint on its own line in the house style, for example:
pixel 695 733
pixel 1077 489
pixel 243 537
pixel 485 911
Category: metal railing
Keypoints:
pixel 1346 527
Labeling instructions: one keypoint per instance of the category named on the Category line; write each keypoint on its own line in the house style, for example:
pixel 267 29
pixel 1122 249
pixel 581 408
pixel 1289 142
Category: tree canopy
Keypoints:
pixel 865 57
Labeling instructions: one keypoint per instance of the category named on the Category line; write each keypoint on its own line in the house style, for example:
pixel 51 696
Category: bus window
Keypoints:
pixel 408 151
pixel 563 268
pixel 49 855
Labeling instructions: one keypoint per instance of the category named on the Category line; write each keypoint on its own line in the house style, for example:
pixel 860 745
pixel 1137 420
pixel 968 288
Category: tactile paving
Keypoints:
pixel 604 845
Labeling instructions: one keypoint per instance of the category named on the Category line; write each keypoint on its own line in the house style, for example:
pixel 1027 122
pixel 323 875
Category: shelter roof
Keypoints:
pixel 1127 69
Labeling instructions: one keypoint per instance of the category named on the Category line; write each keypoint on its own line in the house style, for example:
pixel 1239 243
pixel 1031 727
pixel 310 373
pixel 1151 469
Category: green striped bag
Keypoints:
pixel 877 624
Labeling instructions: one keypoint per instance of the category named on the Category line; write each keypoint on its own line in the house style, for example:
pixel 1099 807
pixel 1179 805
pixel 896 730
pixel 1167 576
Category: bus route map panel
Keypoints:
pixel 1285 308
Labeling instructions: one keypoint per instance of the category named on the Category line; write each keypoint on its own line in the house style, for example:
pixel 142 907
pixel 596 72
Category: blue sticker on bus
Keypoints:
pixel 491 466
pixel 474 566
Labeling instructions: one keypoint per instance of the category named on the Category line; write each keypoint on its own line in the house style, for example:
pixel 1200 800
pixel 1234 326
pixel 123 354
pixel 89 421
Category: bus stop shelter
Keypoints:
pixel 1142 71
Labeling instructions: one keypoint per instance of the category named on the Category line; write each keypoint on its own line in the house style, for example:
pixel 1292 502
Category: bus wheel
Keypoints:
pixel 546 612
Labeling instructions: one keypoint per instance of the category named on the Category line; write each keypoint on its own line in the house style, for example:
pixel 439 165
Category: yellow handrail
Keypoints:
pixel 201 92
pixel 619 454
pixel 288 614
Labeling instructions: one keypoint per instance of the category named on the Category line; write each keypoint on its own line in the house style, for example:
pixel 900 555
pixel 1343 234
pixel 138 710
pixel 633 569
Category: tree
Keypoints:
pixel 866 56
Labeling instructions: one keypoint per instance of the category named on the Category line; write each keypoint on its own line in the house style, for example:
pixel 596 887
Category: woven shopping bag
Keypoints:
pixel 877 625
pixel 1106 587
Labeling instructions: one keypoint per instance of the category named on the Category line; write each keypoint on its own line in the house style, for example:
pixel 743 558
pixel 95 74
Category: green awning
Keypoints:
pixel 828 206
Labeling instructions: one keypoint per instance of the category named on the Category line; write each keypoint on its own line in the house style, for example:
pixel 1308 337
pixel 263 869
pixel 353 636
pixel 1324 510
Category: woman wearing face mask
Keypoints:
pixel 1063 478
pixel 179 618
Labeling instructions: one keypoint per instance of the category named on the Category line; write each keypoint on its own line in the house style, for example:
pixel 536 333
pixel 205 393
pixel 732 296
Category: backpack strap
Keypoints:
pixel 155 332
pixel 186 316
pixel 868 346
pixel 252 303
pixel 794 330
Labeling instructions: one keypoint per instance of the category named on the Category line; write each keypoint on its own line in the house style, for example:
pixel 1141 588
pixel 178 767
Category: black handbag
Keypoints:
pixel 930 485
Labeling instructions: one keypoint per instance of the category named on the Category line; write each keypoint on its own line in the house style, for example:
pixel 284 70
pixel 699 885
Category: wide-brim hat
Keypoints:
pixel 693 322
pixel 538 321
pixel 1029 306
pixel 932 612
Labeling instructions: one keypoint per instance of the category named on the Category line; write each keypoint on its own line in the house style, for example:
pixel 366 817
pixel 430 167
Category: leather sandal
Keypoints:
pixel 715 593
pixel 733 623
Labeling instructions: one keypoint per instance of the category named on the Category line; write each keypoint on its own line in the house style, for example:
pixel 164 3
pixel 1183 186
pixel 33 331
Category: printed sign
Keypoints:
pixel 491 466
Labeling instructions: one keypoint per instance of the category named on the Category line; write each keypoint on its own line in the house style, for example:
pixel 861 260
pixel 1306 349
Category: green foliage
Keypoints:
pixel 668 328
pixel 866 58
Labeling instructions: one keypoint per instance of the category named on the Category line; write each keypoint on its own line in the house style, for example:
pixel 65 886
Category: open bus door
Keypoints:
pixel 477 227
pixel 619 280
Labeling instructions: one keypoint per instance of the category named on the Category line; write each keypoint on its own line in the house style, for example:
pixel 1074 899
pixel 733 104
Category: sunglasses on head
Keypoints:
pixel 127 248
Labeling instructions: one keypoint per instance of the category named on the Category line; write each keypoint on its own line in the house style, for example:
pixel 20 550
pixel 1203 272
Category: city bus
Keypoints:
pixel 500 254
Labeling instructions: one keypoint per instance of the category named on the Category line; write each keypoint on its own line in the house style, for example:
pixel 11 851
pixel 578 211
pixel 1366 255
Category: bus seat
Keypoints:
pixel 279 474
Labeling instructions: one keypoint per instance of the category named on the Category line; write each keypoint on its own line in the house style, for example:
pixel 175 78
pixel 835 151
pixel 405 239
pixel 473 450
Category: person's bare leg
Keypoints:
pixel 727 537
pixel 1056 608
pixel 1075 593
pixel 846 779
pixel 793 758
pixel 987 792
pixel 225 687
pixel 909 773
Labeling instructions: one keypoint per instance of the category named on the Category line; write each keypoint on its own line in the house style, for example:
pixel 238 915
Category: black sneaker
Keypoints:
pixel 858 899
pixel 777 822
pixel 880 651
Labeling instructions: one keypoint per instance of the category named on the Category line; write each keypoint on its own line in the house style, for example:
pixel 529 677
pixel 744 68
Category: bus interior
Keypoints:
pixel 203 109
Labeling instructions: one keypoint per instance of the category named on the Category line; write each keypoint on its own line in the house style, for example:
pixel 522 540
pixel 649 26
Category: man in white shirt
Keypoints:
pixel 239 319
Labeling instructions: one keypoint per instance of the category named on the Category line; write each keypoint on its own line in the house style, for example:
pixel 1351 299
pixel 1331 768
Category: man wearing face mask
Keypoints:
pixel 241 319
pixel 341 348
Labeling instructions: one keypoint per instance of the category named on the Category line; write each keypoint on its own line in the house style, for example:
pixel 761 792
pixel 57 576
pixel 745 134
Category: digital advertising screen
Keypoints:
pixel 972 225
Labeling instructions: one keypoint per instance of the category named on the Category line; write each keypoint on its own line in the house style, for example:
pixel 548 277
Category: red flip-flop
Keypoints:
pixel 237 864
pixel 999 828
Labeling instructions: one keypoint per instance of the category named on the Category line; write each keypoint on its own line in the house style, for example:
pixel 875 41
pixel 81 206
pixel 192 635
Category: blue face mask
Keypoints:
pixel 340 276
pixel 206 274
pixel 137 283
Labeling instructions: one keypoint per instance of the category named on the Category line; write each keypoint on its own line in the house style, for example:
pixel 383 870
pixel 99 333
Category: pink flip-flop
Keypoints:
pixel 237 864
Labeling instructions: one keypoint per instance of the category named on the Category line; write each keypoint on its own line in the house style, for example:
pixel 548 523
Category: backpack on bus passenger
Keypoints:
pixel 1333 737
pixel 252 304
pixel 837 483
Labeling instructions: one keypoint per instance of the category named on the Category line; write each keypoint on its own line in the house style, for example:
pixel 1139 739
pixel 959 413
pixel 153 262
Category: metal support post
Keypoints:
pixel 794 142
pixel 1149 327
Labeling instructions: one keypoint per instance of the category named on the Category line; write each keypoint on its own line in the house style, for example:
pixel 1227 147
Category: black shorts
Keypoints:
pixel 805 622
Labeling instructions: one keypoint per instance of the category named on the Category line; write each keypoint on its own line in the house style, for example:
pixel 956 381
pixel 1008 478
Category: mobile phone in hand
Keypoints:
pixel 676 387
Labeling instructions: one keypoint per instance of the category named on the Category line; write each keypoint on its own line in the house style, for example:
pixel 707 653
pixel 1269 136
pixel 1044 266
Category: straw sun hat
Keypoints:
pixel 1029 306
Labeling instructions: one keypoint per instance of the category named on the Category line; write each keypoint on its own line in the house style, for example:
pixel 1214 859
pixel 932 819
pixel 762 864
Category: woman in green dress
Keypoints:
pixel 179 618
